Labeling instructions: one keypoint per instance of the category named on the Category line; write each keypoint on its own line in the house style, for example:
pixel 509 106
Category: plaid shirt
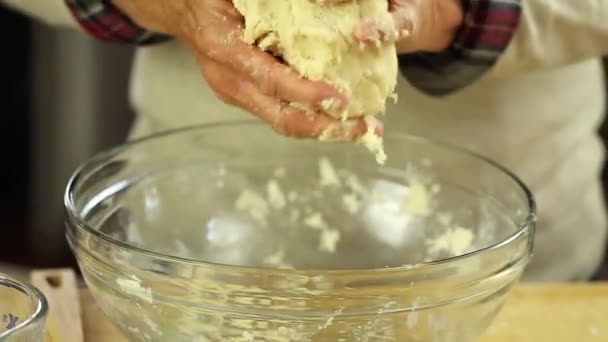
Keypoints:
pixel 488 28
pixel 106 22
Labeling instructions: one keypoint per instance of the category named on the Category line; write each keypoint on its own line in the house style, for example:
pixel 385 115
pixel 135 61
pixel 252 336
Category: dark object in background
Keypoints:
pixel 603 272
pixel 14 166
pixel 75 85
pixel 604 130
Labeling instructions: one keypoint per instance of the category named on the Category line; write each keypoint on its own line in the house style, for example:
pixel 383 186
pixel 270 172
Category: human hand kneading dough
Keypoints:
pixel 241 74
pixel 418 25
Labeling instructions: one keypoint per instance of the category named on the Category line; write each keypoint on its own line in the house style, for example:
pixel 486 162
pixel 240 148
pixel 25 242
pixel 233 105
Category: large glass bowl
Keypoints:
pixel 23 311
pixel 228 232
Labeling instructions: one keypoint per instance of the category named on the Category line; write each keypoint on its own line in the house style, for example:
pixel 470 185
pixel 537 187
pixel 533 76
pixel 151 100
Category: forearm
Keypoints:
pixel 485 33
pixel 554 33
pixel 160 19
pixel 53 12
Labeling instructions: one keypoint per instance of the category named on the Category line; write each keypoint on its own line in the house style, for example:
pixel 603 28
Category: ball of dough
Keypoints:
pixel 318 41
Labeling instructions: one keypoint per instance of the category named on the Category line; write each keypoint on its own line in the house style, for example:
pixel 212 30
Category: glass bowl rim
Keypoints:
pixel 42 306
pixel 76 222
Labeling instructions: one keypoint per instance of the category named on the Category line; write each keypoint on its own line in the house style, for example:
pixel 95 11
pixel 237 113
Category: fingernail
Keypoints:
pixel 373 123
pixel 404 34
pixel 362 30
pixel 342 131
pixel 329 135
pixel 367 32
pixel 329 104
pixel 379 130
pixel 333 104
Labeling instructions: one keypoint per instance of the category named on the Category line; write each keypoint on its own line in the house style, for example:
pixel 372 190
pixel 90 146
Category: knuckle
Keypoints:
pixel 288 125
pixel 225 98
pixel 220 86
pixel 285 125
pixel 267 82
pixel 281 126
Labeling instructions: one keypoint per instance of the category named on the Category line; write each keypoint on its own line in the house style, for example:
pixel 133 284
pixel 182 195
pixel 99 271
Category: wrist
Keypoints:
pixel 156 19
pixel 446 20
pixel 450 17
pixel 106 21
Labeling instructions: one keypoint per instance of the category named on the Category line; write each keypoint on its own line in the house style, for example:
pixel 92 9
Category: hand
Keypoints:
pixel 418 25
pixel 241 74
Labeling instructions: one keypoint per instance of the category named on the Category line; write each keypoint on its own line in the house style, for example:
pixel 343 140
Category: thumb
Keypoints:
pixel 399 26
pixel 404 19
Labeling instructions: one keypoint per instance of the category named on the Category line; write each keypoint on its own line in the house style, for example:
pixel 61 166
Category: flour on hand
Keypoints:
pixel 317 40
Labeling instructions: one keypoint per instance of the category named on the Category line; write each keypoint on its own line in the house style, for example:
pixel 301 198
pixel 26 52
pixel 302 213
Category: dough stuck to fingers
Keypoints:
pixel 317 40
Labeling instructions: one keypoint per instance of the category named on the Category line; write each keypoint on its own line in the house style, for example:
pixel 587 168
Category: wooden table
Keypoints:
pixel 534 312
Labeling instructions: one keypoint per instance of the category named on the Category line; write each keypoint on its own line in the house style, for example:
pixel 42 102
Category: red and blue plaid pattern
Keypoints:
pixel 106 22
pixel 488 28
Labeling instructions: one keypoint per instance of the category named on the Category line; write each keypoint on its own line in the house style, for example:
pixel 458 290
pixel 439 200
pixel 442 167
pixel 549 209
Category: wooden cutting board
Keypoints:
pixel 534 313
pixel 62 294
pixel 553 313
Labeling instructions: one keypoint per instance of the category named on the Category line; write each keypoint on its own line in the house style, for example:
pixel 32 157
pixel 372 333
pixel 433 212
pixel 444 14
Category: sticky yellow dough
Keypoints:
pixel 317 40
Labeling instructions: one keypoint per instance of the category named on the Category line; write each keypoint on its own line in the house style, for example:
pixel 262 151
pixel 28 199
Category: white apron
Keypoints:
pixel 540 125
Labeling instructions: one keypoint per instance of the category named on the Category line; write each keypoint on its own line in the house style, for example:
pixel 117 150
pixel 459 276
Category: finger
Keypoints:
pixel 294 122
pixel 270 76
pixel 277 80
pixel 234 89
pixel 214 74
pixel 376 32
pixel 350 130
pixel 284 119
pixel 404 20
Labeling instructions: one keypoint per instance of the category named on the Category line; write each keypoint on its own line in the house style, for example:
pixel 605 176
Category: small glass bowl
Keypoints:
pixel 228 232
pixel 23 311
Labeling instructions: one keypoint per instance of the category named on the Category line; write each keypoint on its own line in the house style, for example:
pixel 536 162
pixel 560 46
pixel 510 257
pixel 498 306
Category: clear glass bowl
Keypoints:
pixel 23 310
pixel 228 232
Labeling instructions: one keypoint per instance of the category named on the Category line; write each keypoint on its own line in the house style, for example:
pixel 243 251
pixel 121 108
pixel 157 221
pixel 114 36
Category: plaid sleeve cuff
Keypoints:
pixel 104 21
pixel 488 28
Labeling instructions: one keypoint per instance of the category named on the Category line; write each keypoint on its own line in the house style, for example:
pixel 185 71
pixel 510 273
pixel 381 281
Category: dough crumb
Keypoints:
pixel 328 174
pixel 330 105
pixel 394 97
pixel 435 189
pixel 372 141
pixel 316 221
pixel 133 287
pixel 253 204
pixel 277 260
pixel 329 240
pixel 248 336
pixel 351 203
pixel 276 198
pixel 456 241
pixel 417 200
